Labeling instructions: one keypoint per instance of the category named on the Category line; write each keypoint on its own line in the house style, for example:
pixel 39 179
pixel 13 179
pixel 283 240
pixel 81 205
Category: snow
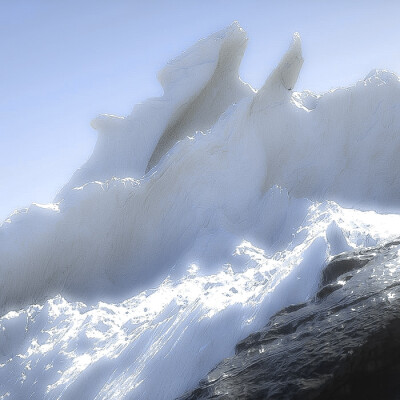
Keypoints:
pixel 198 86
pixel 196 218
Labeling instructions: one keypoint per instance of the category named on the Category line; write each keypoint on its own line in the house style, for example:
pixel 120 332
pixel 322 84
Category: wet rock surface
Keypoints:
pixel 344 344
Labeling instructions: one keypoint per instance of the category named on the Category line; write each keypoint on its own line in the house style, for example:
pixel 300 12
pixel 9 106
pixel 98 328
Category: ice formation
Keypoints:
pixel 195 218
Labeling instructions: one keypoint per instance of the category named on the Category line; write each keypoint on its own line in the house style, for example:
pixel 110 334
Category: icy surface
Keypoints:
pixel 196 217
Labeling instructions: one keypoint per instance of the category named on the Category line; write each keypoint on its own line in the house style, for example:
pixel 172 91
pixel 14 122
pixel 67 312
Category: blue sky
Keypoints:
pixel 63 63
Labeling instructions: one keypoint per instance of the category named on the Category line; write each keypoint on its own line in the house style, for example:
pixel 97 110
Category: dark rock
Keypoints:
pixel 327 290
pixel 345 344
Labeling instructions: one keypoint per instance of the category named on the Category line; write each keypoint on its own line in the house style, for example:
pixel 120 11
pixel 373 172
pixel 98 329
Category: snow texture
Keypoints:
pixel 196 217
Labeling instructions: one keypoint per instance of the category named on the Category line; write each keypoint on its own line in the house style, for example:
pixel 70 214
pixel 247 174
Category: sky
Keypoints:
pixel 63 63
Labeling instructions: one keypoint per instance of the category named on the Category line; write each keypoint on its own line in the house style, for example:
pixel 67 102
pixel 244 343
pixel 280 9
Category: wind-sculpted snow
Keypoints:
pixel 195 218
pixel 159 343
pixel 198 86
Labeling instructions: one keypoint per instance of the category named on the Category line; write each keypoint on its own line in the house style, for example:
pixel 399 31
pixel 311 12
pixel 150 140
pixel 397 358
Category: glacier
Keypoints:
pixel 196 218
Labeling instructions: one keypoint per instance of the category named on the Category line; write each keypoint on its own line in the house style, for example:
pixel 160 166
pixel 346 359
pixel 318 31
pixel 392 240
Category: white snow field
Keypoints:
pixel 195 219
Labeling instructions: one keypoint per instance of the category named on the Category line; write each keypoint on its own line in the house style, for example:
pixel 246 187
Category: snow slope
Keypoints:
pixel 196 217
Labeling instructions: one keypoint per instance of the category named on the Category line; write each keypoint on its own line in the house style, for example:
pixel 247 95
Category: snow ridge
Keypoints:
pixel 196 217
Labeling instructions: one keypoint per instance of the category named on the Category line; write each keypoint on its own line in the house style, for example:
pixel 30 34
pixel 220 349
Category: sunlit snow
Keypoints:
pixel 196 218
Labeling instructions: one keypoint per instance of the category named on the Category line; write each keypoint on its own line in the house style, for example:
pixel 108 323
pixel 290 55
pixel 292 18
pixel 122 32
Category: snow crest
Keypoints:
pixel 195 219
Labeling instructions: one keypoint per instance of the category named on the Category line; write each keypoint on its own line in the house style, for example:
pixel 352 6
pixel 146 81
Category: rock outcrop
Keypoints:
pixel 344 344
